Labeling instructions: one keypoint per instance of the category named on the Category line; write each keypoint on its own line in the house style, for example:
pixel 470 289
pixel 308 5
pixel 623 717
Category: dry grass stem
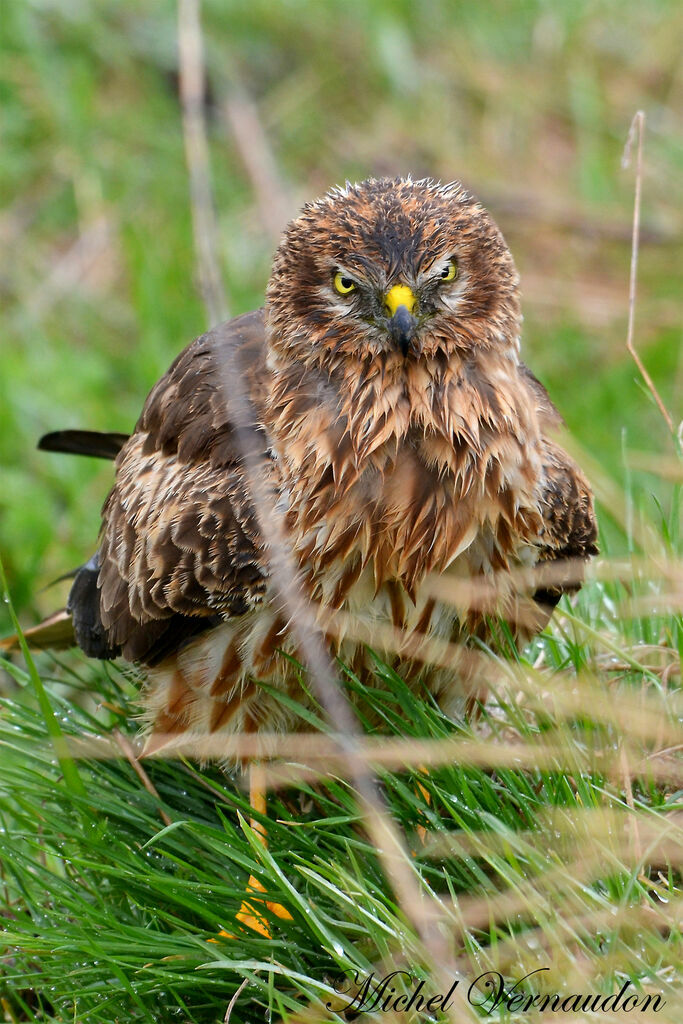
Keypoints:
pixel 129 753
pixel 231 1004
pixel 565 833
pixel 665 466
pixel 309 755
pixel 636 131
pixel 272 200
pixel 192 95
pixel 425 912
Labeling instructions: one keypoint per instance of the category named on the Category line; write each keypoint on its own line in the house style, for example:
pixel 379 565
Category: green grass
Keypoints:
pixel 118 895
pixel 568 859
pixel 528 103
pixel 113 915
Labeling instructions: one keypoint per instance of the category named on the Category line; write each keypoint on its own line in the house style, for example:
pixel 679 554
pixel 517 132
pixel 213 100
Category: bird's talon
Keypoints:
pixel 250 915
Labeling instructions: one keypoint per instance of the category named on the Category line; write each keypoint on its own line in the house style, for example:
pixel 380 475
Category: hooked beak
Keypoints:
pixel 400 303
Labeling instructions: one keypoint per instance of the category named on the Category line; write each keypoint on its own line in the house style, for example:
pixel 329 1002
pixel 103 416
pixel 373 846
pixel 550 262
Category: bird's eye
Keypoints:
pixel 449 271
pixel 343 284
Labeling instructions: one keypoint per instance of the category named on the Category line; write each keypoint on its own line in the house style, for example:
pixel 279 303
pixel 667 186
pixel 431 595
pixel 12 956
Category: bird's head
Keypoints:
pixel 393 268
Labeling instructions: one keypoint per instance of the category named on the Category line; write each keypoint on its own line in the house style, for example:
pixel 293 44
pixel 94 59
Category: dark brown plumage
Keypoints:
pixel 400 433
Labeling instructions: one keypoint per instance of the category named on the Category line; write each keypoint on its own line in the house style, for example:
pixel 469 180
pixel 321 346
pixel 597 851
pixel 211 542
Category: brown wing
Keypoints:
pixel 179 548
pixel 569 526
pixel 548 415
pixel 570 529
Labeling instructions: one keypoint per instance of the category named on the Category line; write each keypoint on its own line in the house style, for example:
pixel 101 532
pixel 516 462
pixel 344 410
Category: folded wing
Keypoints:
pixel 180 550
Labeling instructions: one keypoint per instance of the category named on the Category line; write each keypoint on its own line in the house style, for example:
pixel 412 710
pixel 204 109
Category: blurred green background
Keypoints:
pixel 528 103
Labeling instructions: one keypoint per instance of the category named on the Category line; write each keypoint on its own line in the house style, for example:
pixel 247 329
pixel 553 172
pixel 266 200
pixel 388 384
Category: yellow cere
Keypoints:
pixel 400 295
pixel 344 284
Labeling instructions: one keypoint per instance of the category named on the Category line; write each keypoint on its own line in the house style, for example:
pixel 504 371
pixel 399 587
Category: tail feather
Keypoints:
pixel 98 444
pixel 54 633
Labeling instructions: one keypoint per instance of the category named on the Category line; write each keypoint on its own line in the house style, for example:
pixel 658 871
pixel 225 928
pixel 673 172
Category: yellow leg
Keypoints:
pixel 248 913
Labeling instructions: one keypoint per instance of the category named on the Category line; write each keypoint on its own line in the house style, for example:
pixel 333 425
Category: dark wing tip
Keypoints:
pixel 84 607
pixel 98 444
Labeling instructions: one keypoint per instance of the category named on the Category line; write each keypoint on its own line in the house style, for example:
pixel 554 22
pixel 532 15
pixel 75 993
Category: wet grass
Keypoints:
pixel 553 838
pixel 529 106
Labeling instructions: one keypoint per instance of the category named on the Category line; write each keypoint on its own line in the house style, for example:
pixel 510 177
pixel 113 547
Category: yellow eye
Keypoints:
pixel 449 271
pixel 344 284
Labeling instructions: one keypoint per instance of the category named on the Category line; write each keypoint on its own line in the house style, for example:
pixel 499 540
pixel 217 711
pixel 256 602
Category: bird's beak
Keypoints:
pixel 400 303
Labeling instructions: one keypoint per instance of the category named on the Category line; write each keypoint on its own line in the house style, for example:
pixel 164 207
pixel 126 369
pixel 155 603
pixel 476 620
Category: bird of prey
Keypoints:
pixel 396 432
pixel 399 435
